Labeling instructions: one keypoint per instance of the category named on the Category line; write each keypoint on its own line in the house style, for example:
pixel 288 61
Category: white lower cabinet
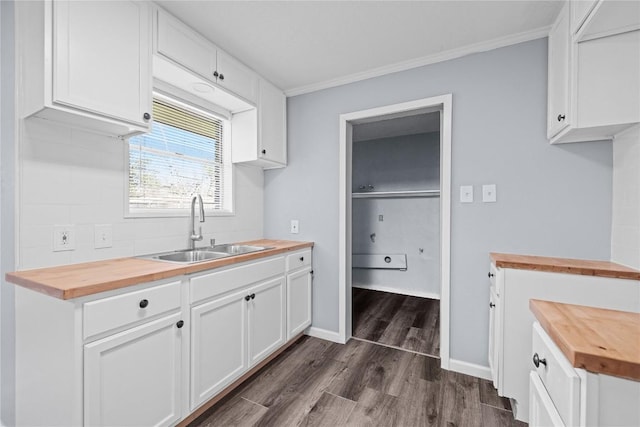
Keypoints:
pixel 133 378
pixel 562 395
pixel 511 320
pixel 494 335
pixel 541 409
pixel 298 301
pixel 266 319
pixel 232 333
pixel 218 345
pixel 151 354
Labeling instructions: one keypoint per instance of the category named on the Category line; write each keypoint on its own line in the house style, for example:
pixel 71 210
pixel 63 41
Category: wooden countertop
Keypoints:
pixel 595 339
pixel 565 265
pixel 77 280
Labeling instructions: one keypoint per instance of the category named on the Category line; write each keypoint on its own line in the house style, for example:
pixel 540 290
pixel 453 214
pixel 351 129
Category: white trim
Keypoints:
pixel 534 34
pixel 444 104
pixel 324 334
pixel 472 369
pixel 445 227
pixel 411 292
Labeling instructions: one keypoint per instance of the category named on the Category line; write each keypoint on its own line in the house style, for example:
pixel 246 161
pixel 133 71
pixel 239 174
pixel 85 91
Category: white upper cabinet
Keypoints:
pixel 188 49
pixel 272 119
pixel 558 116
pixel 177 42
pixel 86 63
pixel 235 77
pixel 259 136
pixel 593 81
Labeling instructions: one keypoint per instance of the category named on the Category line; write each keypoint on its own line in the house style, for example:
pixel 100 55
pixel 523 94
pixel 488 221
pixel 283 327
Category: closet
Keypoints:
pixel 396 231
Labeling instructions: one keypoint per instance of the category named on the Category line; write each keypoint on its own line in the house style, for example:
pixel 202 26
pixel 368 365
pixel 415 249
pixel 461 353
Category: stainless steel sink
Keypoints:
pixel 189 256
pixel 232 249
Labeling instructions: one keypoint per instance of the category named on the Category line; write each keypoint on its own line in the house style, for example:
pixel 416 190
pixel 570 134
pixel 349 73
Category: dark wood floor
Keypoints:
pixel 403 321
pixel 320 383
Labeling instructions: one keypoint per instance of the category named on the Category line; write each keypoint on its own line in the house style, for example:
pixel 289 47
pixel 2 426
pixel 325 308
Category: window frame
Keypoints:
pixel 200 108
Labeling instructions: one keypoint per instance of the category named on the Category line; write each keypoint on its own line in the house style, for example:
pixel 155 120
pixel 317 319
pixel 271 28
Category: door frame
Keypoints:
pixel 442 103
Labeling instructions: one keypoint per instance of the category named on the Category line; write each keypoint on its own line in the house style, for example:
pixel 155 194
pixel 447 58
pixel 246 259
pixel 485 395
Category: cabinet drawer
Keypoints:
pixel 120 310
pixel 558 376
pixel 217 283
pixel 299 259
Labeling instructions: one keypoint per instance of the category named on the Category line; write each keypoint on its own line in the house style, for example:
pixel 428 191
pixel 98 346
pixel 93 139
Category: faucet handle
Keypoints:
pixel 213 242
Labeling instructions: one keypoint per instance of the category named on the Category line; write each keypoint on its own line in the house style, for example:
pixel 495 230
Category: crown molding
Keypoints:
pixel 537 33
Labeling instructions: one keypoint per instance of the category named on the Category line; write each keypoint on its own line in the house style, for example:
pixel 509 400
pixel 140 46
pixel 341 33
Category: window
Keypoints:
pixel 185 153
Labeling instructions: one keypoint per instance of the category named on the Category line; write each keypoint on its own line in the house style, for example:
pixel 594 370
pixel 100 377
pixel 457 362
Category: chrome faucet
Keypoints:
pixel 196 237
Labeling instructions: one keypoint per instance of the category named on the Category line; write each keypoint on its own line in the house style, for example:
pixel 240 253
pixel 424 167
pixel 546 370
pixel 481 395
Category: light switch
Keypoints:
pixel 466 194
pixel 489 193
pixel 295 226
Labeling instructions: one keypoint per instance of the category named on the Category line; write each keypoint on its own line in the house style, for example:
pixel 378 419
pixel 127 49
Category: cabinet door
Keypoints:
pixel 102 58
pixel 236 77
pixel 558 114
pixel 608 82
pixel 218 345
pixel 184 46
pixel 493 331
pixel 541 409
pixel 298 302
pixel 272 123
pixel 133 378
pixel 266 319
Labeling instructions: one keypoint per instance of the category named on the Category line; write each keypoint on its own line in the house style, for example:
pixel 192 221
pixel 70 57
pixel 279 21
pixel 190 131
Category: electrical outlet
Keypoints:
pixel 64 238
pixel 103 236
pixel 294 226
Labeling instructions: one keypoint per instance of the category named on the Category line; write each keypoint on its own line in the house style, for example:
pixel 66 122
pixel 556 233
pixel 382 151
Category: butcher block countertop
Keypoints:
pixel 565 265
pixel 595 339
pixel 78 280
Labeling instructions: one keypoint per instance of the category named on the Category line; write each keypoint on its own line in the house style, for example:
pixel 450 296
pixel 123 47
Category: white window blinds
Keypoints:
pixel 183 154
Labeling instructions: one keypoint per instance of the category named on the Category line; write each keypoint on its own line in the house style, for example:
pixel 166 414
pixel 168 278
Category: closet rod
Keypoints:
pixel 395 194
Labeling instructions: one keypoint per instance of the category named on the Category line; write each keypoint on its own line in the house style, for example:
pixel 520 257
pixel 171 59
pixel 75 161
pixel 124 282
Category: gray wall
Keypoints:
pixel 7 258
pixel 410 162
pixel 552 200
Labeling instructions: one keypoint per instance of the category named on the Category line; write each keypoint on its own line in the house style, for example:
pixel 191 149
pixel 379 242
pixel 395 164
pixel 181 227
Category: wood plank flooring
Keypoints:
pixel 320 383
pixel 403 321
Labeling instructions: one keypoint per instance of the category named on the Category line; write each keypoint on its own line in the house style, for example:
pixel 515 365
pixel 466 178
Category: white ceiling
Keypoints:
pixel 306 45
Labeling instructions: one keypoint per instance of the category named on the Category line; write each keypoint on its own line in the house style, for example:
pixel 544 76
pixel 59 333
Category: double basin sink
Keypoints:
pixel 189 256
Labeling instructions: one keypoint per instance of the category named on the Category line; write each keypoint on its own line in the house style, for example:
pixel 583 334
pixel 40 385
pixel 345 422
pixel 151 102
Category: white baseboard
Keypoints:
pixel 413 293
pixel 324 334
pixel 470 369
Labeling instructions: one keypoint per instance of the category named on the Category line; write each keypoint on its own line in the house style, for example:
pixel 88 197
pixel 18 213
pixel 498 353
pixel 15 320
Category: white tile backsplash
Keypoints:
pixel 625 229
pixel 70 176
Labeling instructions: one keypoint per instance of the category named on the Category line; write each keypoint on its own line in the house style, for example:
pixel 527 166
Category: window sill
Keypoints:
pixel 177 214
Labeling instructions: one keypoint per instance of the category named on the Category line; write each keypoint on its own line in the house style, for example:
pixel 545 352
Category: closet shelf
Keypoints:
pixel 395 194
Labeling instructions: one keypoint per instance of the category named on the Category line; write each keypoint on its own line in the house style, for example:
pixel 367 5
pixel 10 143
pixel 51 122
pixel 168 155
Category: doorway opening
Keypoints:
pixel 395 185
